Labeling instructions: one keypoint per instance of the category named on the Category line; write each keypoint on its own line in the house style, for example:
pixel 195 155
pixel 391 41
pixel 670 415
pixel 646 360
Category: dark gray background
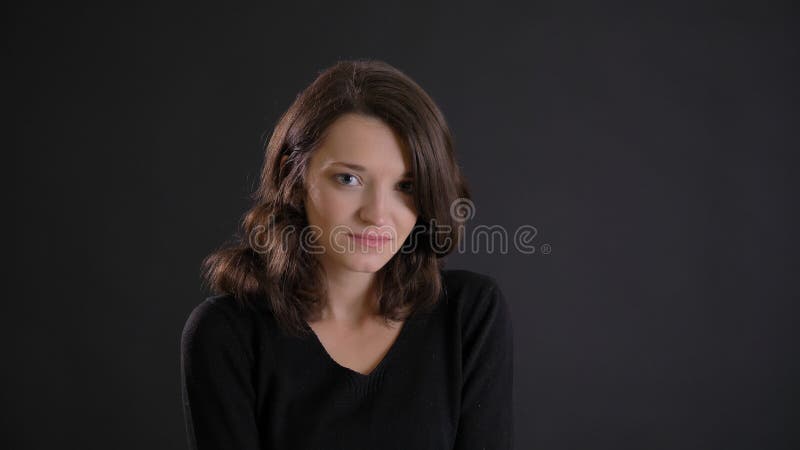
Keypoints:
pixel 651 146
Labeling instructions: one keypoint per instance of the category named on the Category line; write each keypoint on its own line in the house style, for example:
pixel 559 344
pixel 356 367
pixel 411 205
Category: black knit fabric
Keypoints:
pixel 445 383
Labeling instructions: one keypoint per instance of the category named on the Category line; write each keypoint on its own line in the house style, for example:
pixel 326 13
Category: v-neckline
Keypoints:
pixel 380 367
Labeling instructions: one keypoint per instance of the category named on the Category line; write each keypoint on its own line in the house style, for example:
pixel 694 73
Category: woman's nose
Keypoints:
pixel 374 210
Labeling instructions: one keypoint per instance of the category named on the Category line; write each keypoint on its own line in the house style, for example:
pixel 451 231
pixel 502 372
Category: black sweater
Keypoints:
pixel 445 383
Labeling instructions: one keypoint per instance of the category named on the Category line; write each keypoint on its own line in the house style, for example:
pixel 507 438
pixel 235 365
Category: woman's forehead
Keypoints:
pixel 358 132
pixel 362 145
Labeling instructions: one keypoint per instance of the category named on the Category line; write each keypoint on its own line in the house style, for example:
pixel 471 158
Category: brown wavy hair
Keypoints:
pixel 266 261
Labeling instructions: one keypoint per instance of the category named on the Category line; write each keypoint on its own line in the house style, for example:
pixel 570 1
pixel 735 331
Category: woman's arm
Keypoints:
pixel 217 389
pixel 487 418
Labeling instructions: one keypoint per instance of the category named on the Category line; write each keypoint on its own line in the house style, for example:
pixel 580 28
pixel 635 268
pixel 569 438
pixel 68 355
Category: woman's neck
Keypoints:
pixel 352 298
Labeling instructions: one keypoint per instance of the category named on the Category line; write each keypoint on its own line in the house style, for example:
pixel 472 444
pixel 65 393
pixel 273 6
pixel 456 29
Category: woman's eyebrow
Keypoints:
pixel 352 166
pixel 360 168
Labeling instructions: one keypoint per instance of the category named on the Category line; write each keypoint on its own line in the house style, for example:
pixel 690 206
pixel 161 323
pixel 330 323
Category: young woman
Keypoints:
pixel 333 324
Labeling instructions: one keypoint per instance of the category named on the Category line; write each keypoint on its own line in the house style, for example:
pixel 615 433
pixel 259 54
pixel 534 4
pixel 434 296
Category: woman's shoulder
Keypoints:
pixel 478 303
pixel 472 293
pixel 219 308
pixel 220 319
pixel 468 281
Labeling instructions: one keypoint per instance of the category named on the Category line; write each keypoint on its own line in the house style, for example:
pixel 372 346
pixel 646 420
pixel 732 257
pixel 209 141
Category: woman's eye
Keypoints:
pixel 407 187
pixel 346 179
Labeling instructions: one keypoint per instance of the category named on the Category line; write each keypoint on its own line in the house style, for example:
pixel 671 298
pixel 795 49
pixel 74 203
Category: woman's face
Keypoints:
pixel 358 183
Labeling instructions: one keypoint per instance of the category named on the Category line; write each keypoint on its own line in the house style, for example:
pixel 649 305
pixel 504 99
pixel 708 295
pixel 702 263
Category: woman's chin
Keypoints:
pixel 367 263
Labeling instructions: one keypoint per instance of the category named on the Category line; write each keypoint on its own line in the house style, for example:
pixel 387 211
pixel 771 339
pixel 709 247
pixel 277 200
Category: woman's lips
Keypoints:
pixel 370 240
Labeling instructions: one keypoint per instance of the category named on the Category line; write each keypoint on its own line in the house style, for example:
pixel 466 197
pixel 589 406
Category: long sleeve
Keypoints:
pixel 486 420
pixel 217 386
